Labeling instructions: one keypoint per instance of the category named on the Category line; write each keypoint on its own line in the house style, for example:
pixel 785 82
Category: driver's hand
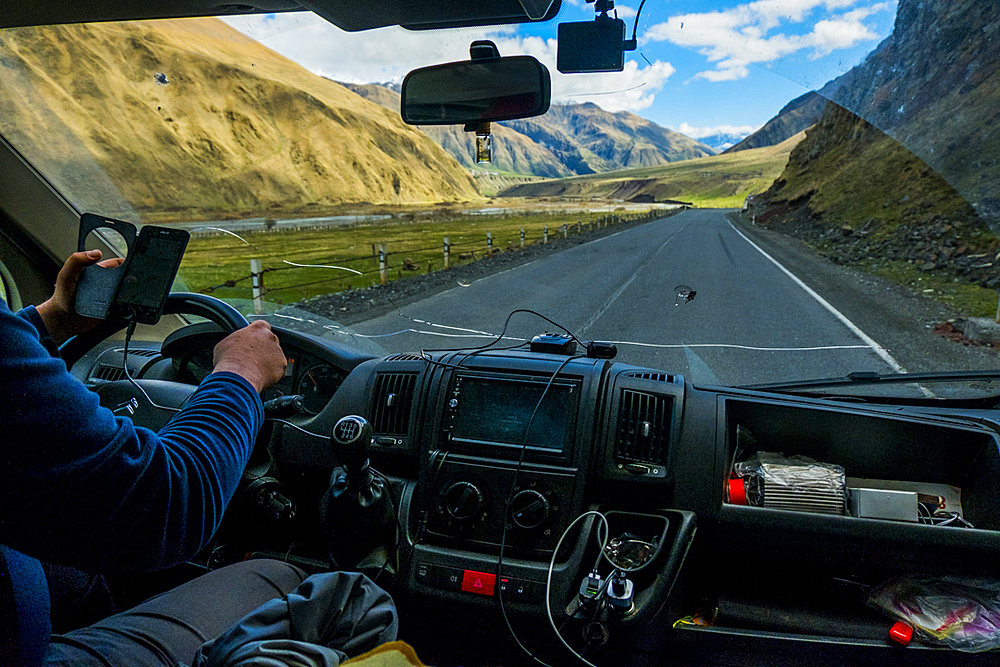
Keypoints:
pixel 252 353
pixel 59 312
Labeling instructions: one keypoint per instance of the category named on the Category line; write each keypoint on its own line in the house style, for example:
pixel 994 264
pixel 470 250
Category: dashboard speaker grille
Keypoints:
pixel 393 397
pixel 643 428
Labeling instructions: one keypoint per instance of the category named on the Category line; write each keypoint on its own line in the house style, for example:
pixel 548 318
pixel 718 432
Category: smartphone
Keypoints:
pixel 148 274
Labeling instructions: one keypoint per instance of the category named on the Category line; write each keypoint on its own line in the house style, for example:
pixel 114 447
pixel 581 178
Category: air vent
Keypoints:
pixel 108 373
pixel 643 428
pixel 139 353
pixel 404 357
pixel 391 403
pixel 655 377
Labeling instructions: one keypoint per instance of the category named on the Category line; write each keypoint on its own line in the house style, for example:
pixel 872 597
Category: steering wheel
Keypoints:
pixel 178 303
pixel 122 393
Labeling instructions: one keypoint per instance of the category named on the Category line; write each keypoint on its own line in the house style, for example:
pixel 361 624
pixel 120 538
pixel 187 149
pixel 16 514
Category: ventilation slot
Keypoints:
pixel 404 357
pixel 655 377
pixel 108 373
pixel 391 403
pixel 643 428
pixel 139 353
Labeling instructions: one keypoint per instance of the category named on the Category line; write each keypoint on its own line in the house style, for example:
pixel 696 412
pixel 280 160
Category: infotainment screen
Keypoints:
pixel 496 411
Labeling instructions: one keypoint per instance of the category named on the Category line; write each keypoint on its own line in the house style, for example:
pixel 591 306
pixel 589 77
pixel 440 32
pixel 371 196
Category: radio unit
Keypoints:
pixel 493 415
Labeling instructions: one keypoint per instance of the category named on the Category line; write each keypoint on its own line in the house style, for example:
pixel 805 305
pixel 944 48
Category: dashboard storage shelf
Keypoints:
pixel 913 451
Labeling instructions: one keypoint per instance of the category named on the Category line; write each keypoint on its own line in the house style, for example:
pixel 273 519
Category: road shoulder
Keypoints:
pixel 899 320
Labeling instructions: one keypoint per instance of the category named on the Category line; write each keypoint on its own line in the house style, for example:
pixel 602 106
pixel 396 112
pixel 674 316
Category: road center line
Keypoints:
pixel 621 290
pixel 869 341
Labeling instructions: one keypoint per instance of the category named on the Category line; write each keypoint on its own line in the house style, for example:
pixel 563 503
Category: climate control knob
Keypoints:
pixel 463 501
pixel 529 509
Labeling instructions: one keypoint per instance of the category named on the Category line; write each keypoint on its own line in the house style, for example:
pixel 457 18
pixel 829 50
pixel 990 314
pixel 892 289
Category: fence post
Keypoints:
pixel 579 228
pixel 522 238
pixel 489 244
pixel 382 268
pixel 565 232
pixel 447 251
pixel 257 280
pixel 545 235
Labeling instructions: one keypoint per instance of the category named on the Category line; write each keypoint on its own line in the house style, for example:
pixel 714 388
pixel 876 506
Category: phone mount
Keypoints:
pixel 135 290
pixel 98 285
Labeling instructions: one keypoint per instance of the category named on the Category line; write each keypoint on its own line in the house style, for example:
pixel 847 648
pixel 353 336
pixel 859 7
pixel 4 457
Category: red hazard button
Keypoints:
pixel 478 582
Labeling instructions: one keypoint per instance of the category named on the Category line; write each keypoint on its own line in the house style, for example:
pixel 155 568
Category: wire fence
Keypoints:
pixel 396 258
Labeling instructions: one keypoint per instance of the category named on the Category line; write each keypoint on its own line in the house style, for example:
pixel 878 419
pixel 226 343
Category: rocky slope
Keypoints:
pixel 192 119
pixel 934 86
pixel 868 199
pixel 912 184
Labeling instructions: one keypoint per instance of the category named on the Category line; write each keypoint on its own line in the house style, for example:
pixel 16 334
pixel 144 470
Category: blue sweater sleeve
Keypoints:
pixel 85 488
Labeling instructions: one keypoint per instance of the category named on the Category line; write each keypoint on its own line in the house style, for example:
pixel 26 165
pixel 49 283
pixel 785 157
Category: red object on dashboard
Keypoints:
pixel 901 633
pixel 737 492
pixel 478 582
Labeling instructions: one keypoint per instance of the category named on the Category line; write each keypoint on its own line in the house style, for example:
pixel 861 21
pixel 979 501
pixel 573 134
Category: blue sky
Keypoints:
pixel 702 67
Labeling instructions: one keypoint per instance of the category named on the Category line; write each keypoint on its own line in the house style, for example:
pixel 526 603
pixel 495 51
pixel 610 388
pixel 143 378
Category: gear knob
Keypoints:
pixel 351 438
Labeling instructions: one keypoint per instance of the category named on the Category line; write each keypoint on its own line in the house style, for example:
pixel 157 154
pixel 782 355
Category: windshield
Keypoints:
pixel 769 192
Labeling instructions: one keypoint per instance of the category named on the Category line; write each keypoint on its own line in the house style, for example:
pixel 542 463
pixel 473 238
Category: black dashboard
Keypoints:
pixel 500 460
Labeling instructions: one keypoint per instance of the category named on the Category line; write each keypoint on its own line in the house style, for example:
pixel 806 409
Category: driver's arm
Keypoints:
pixel 83 487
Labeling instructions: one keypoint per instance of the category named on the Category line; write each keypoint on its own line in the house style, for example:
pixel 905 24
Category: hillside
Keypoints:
pixel 232 129
pixel 934 86
pixel 909 189
pixel 716 181
pixel 796 116
pixel 569 139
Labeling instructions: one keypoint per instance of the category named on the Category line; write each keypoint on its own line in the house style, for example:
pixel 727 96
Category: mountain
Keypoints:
pixel 902 166
pixel 512 151
pixel 588 139
pixel 569 139
pixel 722 141
pixel 190 118
pixel 796 116
pixel 934 86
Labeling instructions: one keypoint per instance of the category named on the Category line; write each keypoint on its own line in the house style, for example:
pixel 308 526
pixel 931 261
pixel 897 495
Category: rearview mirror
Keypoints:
pixel 476 91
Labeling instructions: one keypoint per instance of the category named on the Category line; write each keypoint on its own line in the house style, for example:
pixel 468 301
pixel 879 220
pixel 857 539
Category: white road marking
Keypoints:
pixel 752 348
pixel 869 341
pixel 621 290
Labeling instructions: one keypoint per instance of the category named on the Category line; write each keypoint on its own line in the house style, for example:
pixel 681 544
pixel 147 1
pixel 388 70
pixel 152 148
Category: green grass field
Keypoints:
pixel 220 264
pixel 720 181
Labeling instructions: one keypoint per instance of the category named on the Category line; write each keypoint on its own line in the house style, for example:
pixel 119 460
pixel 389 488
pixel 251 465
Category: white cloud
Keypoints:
pixel 633 89
pixel 736 37
pixel 702 132
pixel 387 54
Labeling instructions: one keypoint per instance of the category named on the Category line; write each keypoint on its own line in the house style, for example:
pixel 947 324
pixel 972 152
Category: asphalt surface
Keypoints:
pixel 752 319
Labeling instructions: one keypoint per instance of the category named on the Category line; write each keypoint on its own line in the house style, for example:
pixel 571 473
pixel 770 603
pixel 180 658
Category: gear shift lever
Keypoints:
pixel 356 510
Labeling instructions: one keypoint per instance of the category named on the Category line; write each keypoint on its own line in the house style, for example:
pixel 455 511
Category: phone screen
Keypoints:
pixel 152 266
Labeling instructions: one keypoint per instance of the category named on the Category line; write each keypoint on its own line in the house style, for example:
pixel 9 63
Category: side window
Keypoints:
pixel 9 292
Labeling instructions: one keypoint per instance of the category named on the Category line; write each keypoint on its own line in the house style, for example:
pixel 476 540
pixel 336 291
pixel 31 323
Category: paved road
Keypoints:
pixel 751 320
